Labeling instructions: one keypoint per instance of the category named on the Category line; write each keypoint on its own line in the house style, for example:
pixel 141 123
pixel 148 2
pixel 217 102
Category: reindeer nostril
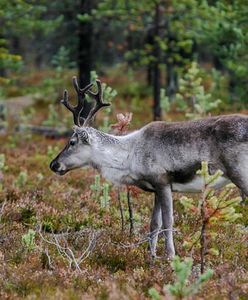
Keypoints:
pixel 54 166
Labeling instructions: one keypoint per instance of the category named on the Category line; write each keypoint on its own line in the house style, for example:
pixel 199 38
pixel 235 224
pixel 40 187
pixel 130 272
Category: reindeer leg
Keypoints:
pixel 239 176
pixel 155 226
pixel 164 196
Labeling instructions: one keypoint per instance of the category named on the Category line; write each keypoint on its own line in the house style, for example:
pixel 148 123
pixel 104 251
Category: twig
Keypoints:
pixel 64 249
pixel 143 240
pixel 203 229
pixel 130 211
pixel 121 209
pixel 2 208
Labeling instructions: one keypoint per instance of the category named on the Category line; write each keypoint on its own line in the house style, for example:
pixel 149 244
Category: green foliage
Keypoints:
pixel 96 187
pixel 52 151
pixel 21 179
pixel 181 287
pixel 53 119
pixel 27 117
pixel 61 60
pixel 2 162
pixel 19 18
pixel 28 240
pixel 223 32
pixel 165 103
pixel 28 216
pixel 108 95
pixel 105 198
pixel 134 20
pixel 3 167
pixel 154 294
pixel 101 192
pixel 192 95
pixel 212 209
pixel 50 88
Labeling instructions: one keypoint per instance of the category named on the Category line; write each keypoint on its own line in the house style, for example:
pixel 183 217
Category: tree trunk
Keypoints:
pixel 156 70
pixel 85 32
pixel 172 80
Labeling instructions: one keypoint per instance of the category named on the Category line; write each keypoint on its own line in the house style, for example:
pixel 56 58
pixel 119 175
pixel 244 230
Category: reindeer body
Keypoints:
pixel 171 152
pixel 163 157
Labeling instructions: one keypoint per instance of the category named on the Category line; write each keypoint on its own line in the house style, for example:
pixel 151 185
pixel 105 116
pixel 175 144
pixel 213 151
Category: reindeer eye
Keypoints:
pixel 72 142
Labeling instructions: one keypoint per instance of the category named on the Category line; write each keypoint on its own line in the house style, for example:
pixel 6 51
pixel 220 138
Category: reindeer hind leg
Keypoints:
pixel 237 172
pixel 156 223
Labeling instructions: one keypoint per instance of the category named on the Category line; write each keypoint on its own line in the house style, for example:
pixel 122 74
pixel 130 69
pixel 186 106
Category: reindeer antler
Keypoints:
pixel 77 110
pixel 98 97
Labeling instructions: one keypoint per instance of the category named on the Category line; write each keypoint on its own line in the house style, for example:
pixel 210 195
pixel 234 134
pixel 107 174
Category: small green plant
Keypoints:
pixel 26 118
pixel 181 288
pixel 2 169
pixel 39 177
pixel 21 179
pixel 96 187
pixel 165 103
pixel 154 294
pixel 28 240
pixel 3 114
pixel 50 88
pixel 210 212
pixel 192 96
pixel 61 60
pixel 13 140
pixel 105 198
pixel 53 119
pixel 2 162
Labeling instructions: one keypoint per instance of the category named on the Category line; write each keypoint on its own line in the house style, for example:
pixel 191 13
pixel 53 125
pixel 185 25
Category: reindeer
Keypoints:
pixel 161 157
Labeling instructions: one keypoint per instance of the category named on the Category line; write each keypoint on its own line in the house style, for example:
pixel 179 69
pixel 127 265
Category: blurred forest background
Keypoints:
pixel 151 43
pixel 77 236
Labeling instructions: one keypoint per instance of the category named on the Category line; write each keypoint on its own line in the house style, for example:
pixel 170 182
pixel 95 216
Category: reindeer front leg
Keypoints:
pixel 164 197
pixel 155 226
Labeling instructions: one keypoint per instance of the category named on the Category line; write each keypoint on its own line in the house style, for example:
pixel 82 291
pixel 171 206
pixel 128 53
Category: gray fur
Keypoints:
pixel 162 157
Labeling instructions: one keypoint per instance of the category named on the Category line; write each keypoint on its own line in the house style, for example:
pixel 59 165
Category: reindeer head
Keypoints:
pixel 77 152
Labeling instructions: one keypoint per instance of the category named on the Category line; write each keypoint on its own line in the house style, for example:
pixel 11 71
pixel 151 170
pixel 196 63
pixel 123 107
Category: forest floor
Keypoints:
pixel 80 249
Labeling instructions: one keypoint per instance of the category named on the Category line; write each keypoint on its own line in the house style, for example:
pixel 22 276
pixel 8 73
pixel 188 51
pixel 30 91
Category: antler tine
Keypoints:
pixel 80 92
pixel 76 110
pixel 66 102
pixel 98 96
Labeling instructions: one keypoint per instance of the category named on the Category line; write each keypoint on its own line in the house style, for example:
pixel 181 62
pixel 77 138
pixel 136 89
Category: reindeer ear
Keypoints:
pixel 84 136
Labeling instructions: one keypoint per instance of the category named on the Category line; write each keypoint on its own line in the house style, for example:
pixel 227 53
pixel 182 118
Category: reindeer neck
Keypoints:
pixel 111 155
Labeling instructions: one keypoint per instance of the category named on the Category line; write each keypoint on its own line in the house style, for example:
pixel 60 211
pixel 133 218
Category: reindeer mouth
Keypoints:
pixel 61 172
